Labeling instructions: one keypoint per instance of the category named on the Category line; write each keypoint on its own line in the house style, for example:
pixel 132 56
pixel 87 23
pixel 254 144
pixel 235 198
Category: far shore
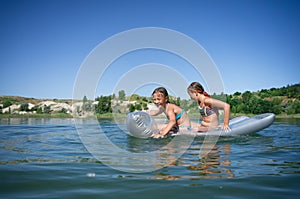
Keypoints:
pixel 111 115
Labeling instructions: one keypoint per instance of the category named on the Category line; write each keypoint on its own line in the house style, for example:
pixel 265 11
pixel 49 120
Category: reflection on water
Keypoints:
pixel 216 164
pixel 35 121
pixel 289 121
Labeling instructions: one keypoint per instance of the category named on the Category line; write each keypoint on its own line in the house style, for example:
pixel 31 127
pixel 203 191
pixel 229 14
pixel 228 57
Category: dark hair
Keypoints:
pixel 162 91
pixel 197 87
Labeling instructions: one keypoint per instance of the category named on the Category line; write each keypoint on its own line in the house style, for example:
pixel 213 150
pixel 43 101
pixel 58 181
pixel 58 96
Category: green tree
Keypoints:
pixel 234 102
pixel 84 100
pixel 104 105
pixel 293 107
pixel 24 107
pixel 243 108
pixel 178 101
pixel 174 100
pixel 47 109
pixel 138 107
pixel 145 107
pixel 122 95
pixel 246 96
pixel 39 110
pixel 264 93
pixel 237 94
pixel 63 110
pixel 266 106
pixel 7 103
pixel 276 109
pixel 131 108
pixel 134 97
pixel 254 105
pixel 296 106
pixel 145 99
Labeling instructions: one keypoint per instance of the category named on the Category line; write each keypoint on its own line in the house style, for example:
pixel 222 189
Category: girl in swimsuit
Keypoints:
pixel 176 115
pixel 207 108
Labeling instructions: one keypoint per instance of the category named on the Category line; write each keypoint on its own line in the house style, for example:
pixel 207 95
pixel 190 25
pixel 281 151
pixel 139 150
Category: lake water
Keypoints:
pixel 46 158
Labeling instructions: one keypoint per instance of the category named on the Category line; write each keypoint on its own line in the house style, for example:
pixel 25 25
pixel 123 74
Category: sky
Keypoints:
pixel 254 44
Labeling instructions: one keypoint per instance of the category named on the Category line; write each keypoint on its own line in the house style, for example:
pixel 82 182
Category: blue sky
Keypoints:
pixel 254 44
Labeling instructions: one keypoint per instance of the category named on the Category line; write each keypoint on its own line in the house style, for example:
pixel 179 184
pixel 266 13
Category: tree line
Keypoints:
pixel 284 100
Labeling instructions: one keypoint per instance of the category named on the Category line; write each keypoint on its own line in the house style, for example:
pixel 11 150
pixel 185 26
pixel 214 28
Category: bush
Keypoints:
pixel 104 105
pixel 131 108
pixel 39 110
pixel 24 107
pixel 47 109
pixel 7 103
pixel 63 110
pixel 138 107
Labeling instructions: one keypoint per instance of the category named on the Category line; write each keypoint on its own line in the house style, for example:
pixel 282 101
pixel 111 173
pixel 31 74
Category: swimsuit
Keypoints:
pixel 178 116
pixel 205 111
pixel 175 129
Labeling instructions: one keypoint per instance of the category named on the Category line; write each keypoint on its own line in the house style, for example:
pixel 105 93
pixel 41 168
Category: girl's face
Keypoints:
pixel 159 99
pixel 193 94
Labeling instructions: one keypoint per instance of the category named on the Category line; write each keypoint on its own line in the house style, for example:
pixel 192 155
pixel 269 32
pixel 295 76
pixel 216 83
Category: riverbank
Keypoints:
pixel 113 115
pixel 37 115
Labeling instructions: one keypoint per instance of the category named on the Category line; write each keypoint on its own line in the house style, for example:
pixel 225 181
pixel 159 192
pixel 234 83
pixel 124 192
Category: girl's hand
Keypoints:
pixel 226 128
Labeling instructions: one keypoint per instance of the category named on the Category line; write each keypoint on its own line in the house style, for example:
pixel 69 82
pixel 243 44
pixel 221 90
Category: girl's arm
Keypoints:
pixel 172 122
pixel 226 117
pixel 223 105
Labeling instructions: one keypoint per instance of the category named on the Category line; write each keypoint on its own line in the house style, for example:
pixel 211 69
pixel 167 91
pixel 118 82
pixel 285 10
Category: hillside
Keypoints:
pixel 284 101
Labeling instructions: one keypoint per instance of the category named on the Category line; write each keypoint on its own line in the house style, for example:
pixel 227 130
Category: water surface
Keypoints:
pixel 45 158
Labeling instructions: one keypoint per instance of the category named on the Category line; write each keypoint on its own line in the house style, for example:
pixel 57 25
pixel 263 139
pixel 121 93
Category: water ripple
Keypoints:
pixel 43 158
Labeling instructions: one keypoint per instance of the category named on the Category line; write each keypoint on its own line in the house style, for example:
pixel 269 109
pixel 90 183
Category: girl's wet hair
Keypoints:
pixel 161 90
pixel 197 87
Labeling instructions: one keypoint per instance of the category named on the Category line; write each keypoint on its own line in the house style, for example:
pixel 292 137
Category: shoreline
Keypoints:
pixel 111 115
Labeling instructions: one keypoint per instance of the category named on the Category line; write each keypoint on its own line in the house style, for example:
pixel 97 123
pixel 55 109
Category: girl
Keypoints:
pixel 176 115
pixel 207 108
